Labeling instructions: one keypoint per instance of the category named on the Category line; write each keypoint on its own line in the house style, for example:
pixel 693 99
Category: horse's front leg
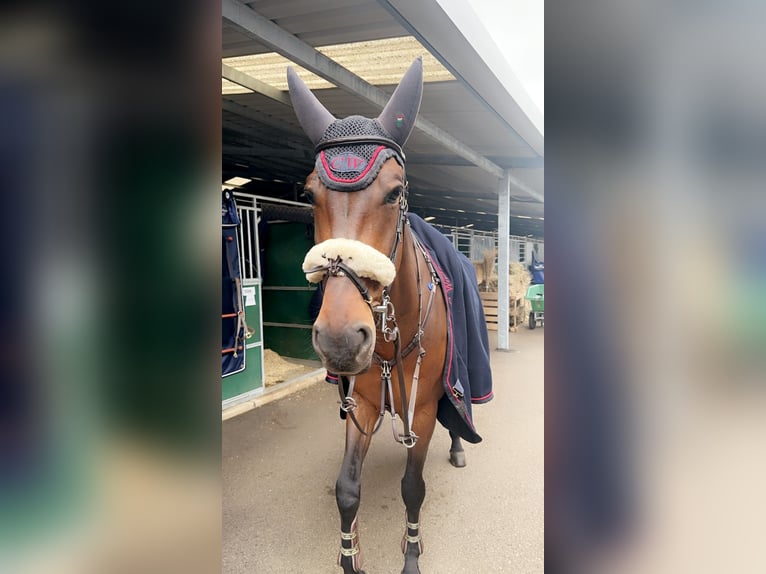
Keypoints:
pixel 414 488
pixel 348 485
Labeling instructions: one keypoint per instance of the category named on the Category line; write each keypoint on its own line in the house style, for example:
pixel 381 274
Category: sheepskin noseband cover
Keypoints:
pixel 364 260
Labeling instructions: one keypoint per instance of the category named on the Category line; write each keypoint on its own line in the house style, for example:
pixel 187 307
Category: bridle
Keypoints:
pixel 384 316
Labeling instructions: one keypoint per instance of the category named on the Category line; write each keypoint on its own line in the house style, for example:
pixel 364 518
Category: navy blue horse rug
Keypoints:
pixel 467 376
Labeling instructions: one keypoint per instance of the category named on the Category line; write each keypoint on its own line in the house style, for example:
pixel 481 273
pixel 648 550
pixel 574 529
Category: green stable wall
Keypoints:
pixel 286 293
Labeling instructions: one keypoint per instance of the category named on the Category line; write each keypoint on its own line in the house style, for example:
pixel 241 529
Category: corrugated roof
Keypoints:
pixel 379 62
pixel 228 88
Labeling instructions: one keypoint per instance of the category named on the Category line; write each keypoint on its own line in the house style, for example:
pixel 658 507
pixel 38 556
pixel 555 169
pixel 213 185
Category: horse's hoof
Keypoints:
pixel 457 458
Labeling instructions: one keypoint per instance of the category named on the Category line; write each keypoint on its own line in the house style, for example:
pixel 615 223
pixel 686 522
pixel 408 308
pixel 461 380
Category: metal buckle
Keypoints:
pixel 387 312
pixel 348 404
pixel 410 440
pixel 333 267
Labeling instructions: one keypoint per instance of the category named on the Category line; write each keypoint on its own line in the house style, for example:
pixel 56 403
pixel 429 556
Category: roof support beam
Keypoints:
pixel 251 83
pixel 516 182
pixel 267 32
pixel 266 152
pixel 246 112
pixel 443 159
pixel 247 131
pixel 503 259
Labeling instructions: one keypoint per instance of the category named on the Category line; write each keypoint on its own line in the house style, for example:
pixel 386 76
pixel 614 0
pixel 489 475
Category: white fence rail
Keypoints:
pixel 474 243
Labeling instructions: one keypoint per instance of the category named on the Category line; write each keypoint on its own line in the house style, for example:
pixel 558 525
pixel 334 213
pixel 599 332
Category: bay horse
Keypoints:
pixel 382 326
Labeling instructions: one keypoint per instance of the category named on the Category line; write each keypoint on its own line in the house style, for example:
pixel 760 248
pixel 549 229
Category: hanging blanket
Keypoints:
pixel 233 328
pixel 467 375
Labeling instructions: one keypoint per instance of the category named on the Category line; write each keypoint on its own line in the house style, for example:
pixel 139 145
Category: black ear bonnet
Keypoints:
pixel 351 151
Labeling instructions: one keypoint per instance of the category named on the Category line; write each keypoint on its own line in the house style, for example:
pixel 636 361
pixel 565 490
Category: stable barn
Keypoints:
pixel 474 160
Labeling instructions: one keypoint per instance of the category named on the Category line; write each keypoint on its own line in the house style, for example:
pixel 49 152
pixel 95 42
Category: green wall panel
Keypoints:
pixel 290 342
pixel 287 306
pixel 285 247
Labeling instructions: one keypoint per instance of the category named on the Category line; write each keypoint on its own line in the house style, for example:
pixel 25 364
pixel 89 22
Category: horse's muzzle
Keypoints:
pixel 347 351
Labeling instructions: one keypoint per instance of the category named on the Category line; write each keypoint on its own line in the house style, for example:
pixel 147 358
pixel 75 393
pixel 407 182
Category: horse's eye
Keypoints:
pixel 393 196
pixel 308 196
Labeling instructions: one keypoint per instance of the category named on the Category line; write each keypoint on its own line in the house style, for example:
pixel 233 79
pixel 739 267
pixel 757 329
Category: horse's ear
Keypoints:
pixel 401 111
pixel 312 115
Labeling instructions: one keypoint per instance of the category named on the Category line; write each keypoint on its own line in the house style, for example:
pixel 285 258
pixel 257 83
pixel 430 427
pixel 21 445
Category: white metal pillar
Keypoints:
pixel 503 250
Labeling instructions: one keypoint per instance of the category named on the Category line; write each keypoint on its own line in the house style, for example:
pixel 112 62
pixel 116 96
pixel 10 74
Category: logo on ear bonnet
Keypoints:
pixel 348 162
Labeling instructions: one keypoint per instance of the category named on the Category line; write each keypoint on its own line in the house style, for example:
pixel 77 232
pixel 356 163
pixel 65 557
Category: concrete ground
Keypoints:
pixel 280 462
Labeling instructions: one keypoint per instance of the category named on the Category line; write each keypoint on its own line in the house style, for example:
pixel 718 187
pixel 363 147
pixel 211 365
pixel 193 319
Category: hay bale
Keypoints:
pixel 485 270
pixel 279 370
pixel 490 277
pixel 519 279
pixel 478 267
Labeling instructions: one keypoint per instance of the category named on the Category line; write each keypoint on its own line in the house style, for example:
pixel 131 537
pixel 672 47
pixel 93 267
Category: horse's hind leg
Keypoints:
pixel 414 491
pixel 456 453
pixel 348 485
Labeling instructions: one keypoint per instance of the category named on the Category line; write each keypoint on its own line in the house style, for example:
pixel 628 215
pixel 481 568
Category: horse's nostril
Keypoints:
pixel 316 338
pixel 366 334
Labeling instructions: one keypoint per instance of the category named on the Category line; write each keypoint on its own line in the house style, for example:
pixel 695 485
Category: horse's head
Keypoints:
pixel 358 192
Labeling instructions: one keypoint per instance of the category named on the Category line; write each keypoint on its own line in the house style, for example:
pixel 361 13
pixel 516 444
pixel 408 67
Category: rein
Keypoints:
pixel 408 438
pixel 390 331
